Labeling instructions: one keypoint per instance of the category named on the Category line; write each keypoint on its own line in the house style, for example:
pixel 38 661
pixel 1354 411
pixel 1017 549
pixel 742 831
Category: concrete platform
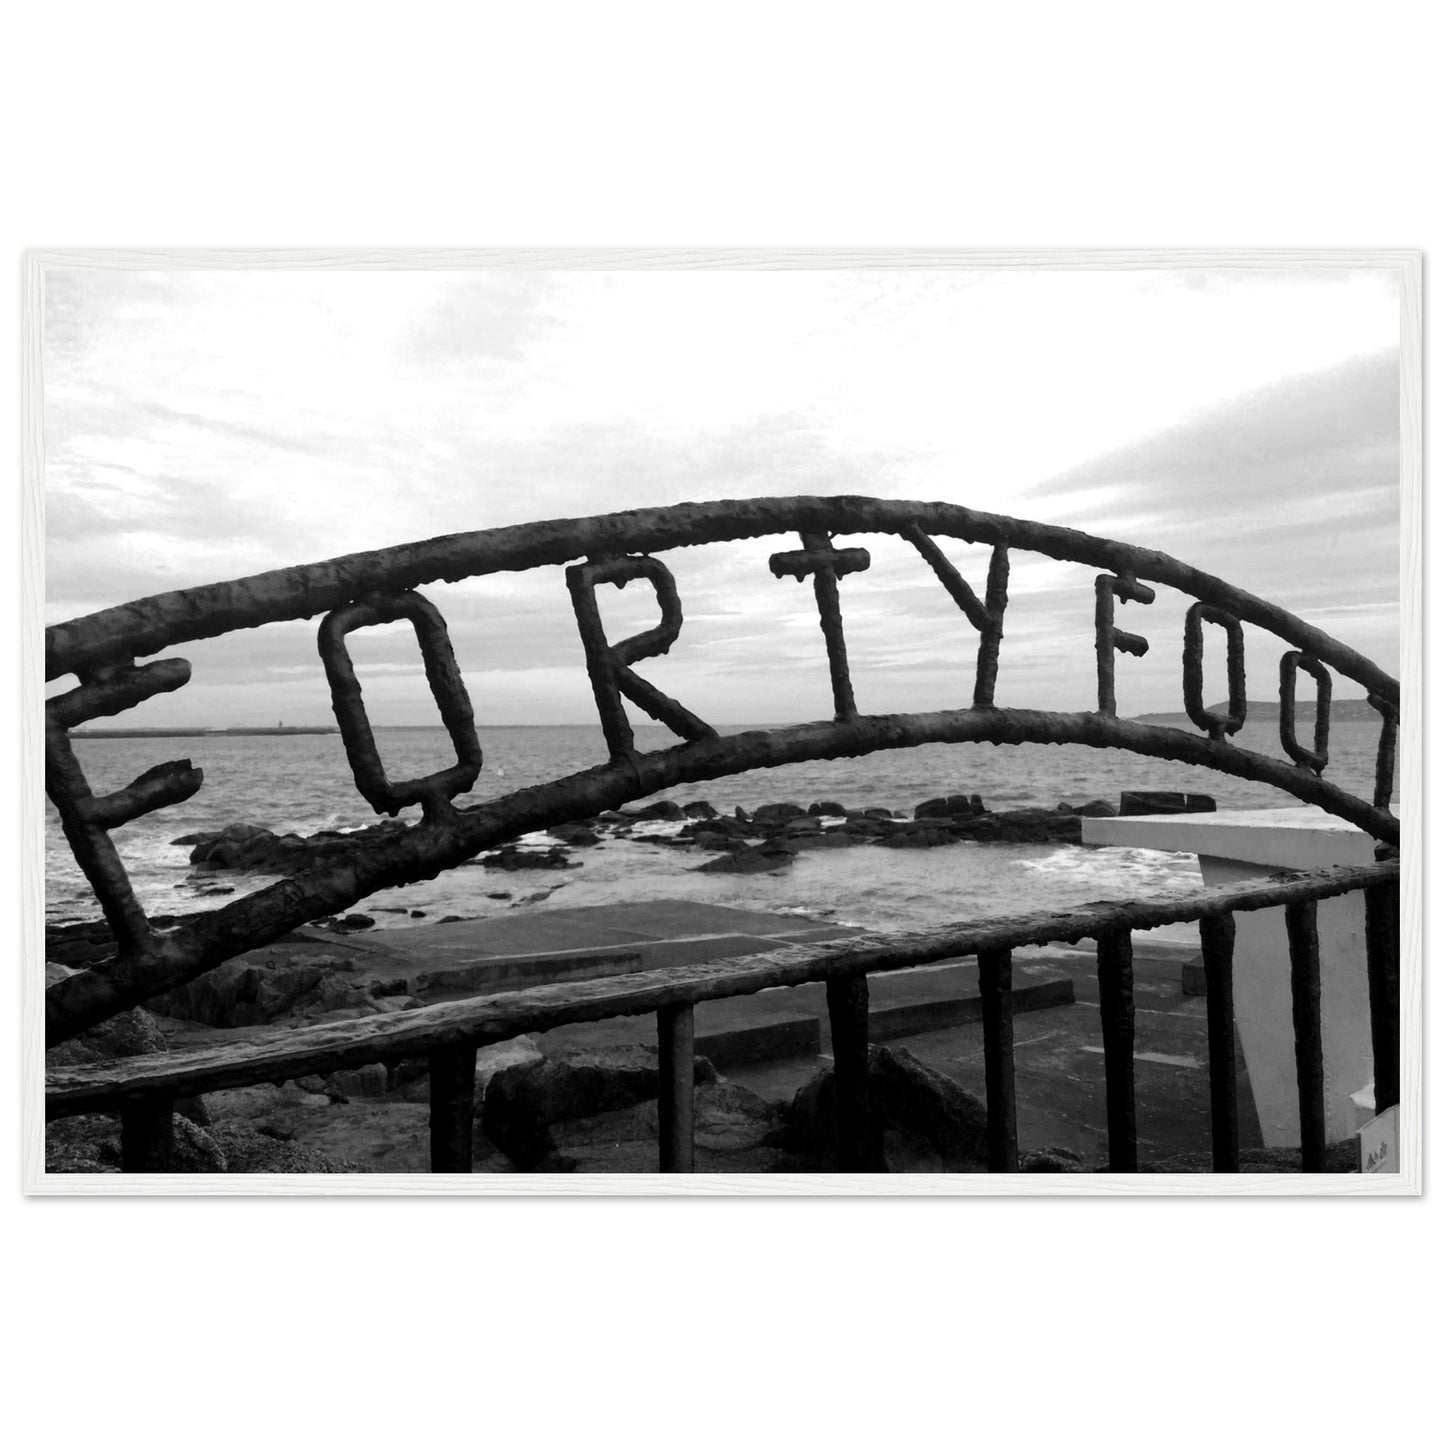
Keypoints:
pixel 775 1040
pixel 479 956
pixel 1235 847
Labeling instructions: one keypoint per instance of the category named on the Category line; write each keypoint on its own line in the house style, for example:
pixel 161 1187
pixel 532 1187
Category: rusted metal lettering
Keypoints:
pixel 1109 639
pixel 443 677
pixel 820 560
pixel 1217 725
pixel 609 665
pixel 87 820
pixel 1317 757
pixel 986 616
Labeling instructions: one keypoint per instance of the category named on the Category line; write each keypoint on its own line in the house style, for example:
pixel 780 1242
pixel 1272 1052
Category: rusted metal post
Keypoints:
pixel 1309 1054
pixel 1382 957
pixel 1385 752
pixel 147 1137
pixel 1216 934
pixel 858 1151
pixel 452 1079
pixel 674 1099
pixel 995 990
pixel 1116 1017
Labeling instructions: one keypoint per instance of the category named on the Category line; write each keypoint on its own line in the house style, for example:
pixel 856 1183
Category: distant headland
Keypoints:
pixel 1350 709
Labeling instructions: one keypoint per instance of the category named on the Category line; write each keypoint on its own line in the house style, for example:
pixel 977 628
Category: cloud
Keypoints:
pixel 205 425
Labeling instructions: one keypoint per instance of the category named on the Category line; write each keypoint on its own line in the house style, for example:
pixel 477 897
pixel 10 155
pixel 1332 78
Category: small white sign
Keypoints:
pixel 1380 1143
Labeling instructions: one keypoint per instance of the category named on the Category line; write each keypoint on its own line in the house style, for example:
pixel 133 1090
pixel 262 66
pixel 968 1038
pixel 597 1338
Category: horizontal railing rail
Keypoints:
pixel 144 1089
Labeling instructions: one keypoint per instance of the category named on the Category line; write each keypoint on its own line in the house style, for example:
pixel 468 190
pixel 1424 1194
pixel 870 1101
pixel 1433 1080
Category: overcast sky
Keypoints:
pixel 206 425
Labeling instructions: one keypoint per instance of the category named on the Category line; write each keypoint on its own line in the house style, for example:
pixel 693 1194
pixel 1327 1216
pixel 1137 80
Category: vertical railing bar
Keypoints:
pixel 1382 962
pixel 995 989
pixel 848 1023
pixel 452 1082
pixel 1216 935
pixel 675 1089
pixel 147 1137
pixel 1116 1016
pixel 1304 973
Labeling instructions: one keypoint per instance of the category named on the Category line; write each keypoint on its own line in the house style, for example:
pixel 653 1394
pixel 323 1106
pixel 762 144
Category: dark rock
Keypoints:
pixel 799 827
pixel 260 987
pixel 730 827
pixel 763 859
pixel 774 813
pixel 923 1120
pixel 257 1151
pixel 868 825
pixel 367 1082
pixel 1143 803
pixel 828 810
pixel 122 1036
pixel 194 1151
pixel 512 858
pixel 244 846
pixel 87 1144
pixel 421 912
pixel 916 838
pixel 90 1144
pixel 1052 1161
pixel 196 1110
pixel 955 805
pixel 933 808
pixel 79 944
pixel 1023 825
pixel 700 809
pixel 734 1131
pixel 664 811
pixel 1097 808
pixel 579 835
pixel 521 1104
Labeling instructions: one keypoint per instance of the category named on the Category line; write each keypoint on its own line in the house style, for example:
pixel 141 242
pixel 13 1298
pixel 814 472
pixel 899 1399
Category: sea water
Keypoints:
pixel 302 784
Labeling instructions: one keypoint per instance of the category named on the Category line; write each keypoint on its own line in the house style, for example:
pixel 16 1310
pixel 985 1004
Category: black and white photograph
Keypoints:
pixel 782 722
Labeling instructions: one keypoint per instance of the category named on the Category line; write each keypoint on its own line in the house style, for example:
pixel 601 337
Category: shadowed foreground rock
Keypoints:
pixel 927 1123
pixel 523 1103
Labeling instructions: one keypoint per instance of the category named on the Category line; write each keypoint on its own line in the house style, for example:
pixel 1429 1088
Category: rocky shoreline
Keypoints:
pixel 767 838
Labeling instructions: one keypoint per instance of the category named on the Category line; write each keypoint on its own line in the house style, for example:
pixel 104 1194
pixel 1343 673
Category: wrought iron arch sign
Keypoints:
pixel 102 651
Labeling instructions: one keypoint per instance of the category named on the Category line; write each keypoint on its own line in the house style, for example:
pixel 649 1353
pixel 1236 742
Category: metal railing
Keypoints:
pixel 144 1090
